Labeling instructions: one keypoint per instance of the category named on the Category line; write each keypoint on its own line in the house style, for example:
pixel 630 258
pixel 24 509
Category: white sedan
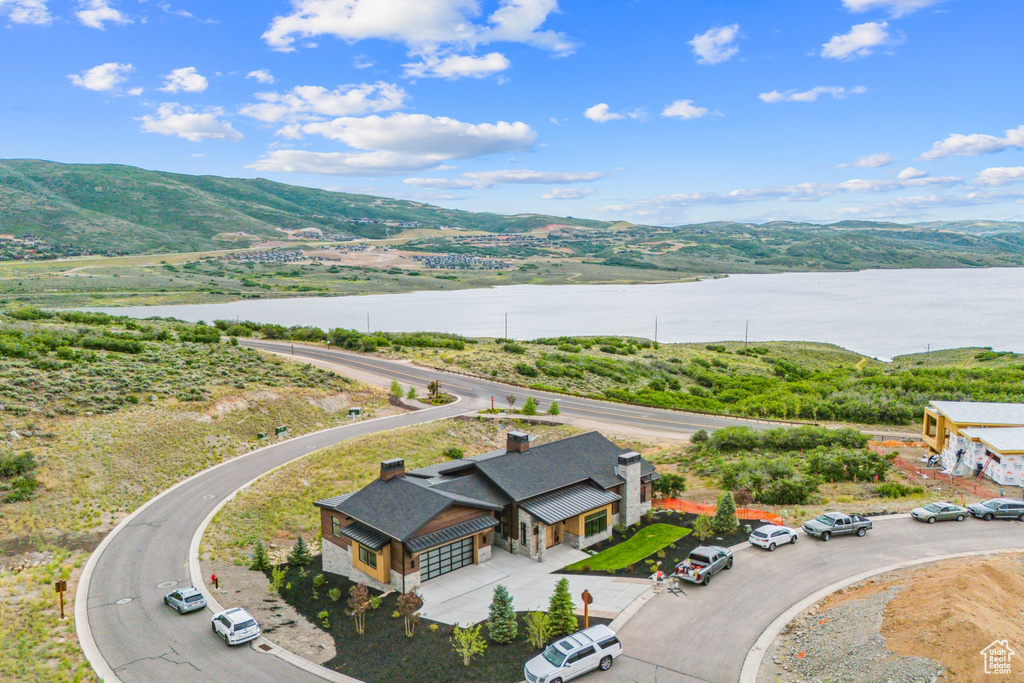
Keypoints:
pixel 771 536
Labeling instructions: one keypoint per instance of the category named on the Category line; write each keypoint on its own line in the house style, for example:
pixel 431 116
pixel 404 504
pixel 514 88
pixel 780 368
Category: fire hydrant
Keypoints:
pixel 214 581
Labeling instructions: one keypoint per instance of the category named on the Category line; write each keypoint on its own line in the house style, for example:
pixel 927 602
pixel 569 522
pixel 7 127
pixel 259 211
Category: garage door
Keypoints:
pixel 447 558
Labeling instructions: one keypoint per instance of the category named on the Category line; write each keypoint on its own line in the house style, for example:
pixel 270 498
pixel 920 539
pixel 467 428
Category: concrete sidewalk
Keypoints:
pixel 464 596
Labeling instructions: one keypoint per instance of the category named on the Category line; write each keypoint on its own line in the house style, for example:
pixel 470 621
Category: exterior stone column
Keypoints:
pixel 629 469
pixel 542 541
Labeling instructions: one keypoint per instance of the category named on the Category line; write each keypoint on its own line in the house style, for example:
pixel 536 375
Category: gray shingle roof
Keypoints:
pixel 364 535
pixel 474 485
pixel 451 533
pixel 555 506
pixel 448 466
pixel 556 464
pixel 399 507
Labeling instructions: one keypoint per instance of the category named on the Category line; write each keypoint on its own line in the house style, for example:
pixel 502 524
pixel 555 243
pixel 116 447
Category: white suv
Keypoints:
pixel 235 626
pixel 771 536
pixel 572 656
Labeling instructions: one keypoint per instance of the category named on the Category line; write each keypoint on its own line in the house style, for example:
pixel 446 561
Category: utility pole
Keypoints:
pixel 655 329
pixel 506 326
pixel 367 323
pixel 927 355
pixel 746 330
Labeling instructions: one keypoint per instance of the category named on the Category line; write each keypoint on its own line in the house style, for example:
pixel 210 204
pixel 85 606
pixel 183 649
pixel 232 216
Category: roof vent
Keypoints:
pixel 517 441
pixel 391 468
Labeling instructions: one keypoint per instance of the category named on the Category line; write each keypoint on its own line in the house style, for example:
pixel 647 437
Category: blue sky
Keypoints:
pixel 665 112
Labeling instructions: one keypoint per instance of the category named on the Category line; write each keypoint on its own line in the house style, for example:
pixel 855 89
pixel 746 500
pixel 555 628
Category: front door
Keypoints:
pixel 554 535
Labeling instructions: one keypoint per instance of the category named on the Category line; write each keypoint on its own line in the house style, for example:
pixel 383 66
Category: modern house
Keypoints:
pixel 405 528
pixel 976 438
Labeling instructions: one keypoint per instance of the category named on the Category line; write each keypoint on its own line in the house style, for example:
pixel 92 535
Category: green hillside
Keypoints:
pixel 106 207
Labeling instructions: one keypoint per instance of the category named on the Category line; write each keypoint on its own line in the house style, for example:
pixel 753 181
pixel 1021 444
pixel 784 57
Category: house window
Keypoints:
pixel 595 523
pixel 503 527
pixel 367 557
pixel 643 493
pixel 522 533
pixel 336 526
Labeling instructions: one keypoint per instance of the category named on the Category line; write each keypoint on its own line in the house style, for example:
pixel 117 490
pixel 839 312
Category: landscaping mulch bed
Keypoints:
pixel 672 554
pixel 383 654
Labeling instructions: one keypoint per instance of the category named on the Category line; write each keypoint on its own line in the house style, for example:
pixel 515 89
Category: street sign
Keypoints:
pixel 587 599
pixel 60 587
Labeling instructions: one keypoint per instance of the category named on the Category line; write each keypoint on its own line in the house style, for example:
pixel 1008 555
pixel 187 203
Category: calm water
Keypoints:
pixel 882 313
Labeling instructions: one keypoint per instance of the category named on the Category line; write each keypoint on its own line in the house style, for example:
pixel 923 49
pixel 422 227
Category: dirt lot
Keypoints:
pixel 924 624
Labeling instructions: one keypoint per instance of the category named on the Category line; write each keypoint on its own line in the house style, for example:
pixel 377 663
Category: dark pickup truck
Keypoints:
pixel 837 524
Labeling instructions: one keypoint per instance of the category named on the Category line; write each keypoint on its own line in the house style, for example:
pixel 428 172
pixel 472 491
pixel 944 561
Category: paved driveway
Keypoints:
pixel 463 596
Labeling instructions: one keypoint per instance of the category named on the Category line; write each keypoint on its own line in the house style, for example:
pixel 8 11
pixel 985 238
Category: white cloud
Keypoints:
pixel 1000 175
pixel 102 78
pixel 567 193
pixel 26 11
pixel 362 62
pixel 869 161
pixel 803 192
pixel 395 144
pixel 174 119
pixel 185 79
pixel 861 41
pixel 837 92
pixel 479 180
pixel 716 44
pixel 897 8
pixel 910 173
pixel 94 13
pixel 313 102
pixel 135 92
pixel 419 24
pixel 684 109
pixel 601 114
pixel 451 67
pixel 975 144
pixel 261 75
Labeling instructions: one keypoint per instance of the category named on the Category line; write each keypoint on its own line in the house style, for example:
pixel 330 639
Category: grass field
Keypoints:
pixel 645 542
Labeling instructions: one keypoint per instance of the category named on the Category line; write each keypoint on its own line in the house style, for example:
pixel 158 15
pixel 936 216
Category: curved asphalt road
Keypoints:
pixel 124 627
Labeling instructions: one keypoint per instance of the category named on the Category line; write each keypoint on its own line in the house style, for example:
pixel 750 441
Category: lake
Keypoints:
pixel 880 313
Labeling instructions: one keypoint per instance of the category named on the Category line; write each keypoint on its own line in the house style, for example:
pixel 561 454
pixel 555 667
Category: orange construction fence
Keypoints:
pixel 706 509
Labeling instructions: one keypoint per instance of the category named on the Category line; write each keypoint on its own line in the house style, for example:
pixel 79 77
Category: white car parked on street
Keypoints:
pixel 771 536
pixel 235 626
pixel 575 655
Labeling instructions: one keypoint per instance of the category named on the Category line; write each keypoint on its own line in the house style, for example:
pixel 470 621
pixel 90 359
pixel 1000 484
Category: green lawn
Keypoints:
pixel 645 542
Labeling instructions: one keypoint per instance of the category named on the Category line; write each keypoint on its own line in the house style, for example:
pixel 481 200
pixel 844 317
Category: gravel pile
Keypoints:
pixel 842 644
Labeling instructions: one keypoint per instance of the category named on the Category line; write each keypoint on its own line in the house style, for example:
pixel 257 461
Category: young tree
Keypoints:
pixel 277 575
pixel 562 610
pixel 300 555
pixel 703 527
pixel 468 642
pixel 725 521
pixel 358 603
pixel 432 388
pixel 530 407
pixel 670 485
pixel 412 393
pixel 554 409
pixel 409 605
pixel 511 398
pixel 260 559
pixel 538 629
pixel 501 618
pixel 396 389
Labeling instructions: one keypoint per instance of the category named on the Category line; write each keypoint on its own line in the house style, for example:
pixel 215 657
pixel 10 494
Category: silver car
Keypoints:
pixel 572 656
pixel 185 600
pixel 998 508
pixel 939 512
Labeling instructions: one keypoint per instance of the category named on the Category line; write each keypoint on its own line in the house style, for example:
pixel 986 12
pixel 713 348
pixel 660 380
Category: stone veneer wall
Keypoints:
pixel 338 560
pixel 528 549
pixel 586 542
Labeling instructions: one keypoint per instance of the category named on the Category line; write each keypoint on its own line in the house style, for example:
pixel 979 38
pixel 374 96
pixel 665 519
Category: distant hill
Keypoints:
pixel 107 207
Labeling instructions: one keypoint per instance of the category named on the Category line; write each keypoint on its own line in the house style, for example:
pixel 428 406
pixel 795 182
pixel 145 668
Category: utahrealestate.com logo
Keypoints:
pixel 997 657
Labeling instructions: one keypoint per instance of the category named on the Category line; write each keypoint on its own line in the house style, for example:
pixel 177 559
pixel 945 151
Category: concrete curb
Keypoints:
pixel 631 609
pixel 752 662
pixel 82 629
pixel 196 575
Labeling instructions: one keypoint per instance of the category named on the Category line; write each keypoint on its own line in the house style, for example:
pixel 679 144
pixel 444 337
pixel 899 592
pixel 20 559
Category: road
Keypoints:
pixel 479 391
pixel 704 636
pixel 129 635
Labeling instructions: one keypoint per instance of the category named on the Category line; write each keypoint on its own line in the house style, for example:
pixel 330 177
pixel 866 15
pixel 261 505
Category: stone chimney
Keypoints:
pixel 392 468
pixel 517 442
pixel 628 468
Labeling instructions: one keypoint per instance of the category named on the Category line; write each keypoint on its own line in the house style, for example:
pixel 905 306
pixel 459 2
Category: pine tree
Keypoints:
pixel 260 559
pixel 300 555
pixel 501 618
pixel 562 610
pixel 530 407
pixel 725 521
pixel 554 409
